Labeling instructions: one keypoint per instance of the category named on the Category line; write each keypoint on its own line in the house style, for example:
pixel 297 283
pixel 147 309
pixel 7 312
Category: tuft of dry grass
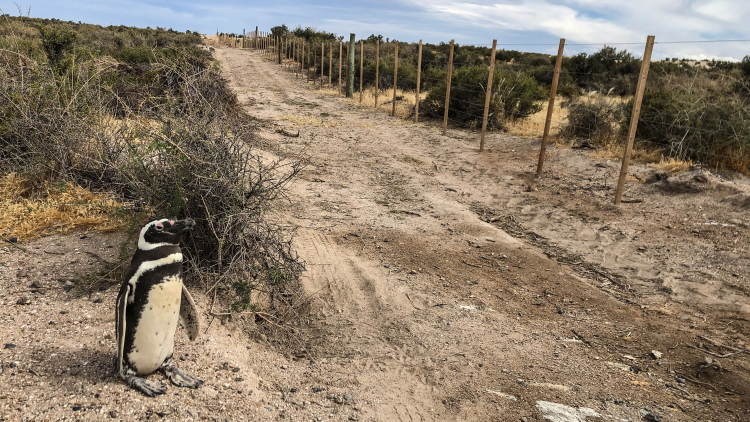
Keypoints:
pixel 614 150
pixel 29 213
pixel 672 165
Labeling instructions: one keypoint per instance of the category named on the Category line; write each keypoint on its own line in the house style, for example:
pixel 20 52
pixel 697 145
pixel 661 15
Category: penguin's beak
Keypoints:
pixel 181 226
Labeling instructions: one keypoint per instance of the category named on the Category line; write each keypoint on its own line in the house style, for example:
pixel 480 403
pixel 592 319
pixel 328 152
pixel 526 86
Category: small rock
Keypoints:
pixel 656 354
pixel 235 369
pixel 680 380
pixel 652 417
pixel 353 418
pixel 112 414
pixel 318 389
pixel 700 178
pixel 386 240
pixel 239 379
pixel 387 265
pixel 270 409
pixel 98 300
pixel 348 397
pixel 84 237
pixel 68 286
pixel 63 312
pixel 12 239
pixel 21 273
pixel 36 284
pixel 560 311
pixel 23 300
pixel 12 364
pixel 10 346
pixel 293 390
pixel 76 408
pixel 412 272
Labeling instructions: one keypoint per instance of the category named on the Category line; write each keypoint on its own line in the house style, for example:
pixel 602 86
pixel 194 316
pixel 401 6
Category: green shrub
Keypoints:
pixel 514 96
pixel 700 119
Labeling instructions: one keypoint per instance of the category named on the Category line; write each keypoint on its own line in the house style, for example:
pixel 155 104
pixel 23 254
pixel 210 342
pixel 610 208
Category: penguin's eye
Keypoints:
pixel 159 227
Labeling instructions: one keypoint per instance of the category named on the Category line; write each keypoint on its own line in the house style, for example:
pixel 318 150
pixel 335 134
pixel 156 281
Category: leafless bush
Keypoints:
pixel 174 141
pixel 596 118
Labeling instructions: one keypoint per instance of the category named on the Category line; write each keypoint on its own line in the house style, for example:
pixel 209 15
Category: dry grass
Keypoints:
pixel 29 213
pixel 672 166
pixel 613 151
pixel 308 121
pixel 533 127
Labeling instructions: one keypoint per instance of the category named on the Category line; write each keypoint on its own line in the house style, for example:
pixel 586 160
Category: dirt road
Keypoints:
pixel 446 285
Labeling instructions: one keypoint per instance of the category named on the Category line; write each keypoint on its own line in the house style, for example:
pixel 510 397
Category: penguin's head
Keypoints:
pixel 164 232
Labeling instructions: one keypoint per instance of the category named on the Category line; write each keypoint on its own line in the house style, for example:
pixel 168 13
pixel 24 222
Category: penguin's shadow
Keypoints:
pixel 66 367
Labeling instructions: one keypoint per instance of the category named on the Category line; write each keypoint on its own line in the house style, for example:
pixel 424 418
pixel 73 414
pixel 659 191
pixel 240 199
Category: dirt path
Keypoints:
pixel 430 309
pixel 446 285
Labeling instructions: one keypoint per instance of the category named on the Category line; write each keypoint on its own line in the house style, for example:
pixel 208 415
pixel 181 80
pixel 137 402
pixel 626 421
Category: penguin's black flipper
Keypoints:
pixel 149 388
pixel 122 303
pixel 179 377
pixel 189 315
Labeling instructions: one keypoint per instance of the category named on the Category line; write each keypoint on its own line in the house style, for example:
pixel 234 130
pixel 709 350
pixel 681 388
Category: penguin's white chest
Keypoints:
pixel 154 335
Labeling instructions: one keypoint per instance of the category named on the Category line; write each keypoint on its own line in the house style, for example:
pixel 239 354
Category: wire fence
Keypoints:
pixel 687 110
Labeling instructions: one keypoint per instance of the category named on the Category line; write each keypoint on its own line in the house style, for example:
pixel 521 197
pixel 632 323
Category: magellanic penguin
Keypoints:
pixel 151 300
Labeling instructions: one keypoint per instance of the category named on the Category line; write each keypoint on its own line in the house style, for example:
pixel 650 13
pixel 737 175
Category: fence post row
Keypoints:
pixel 395 77
pixel 377 70
pixel 448 90
pixel 550 107
pixel 488 95
pixel 634 117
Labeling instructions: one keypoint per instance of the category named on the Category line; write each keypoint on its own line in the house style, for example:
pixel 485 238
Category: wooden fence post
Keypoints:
pixel 341 51
pixel 448 90
pixel 488 95
pixel 315 64
pixel 419 77
pixel 377 69
pixel 395 77
pixel 635 115
pixel 302 61
pixel 361 67
pixel 350 65
pixel 322 62
pixel 550 107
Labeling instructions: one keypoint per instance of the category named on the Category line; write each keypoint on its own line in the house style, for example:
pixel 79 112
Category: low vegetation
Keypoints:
pixel 143 116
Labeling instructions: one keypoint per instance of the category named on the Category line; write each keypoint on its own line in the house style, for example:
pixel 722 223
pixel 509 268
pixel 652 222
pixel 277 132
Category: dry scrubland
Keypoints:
pixel 350 265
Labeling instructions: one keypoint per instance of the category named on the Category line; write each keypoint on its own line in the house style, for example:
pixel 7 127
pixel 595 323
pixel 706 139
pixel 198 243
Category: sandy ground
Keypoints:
pixel 445 285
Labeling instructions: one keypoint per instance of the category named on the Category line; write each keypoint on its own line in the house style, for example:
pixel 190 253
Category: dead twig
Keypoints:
pixel 471 265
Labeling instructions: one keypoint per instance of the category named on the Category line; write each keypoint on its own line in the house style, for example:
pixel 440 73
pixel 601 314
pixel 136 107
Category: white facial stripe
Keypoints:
pixel 143 244
pixel 150 265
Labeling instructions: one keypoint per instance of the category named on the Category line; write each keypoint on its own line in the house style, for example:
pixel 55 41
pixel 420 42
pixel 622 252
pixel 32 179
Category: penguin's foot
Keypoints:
pixel 149 388
pixel 181 378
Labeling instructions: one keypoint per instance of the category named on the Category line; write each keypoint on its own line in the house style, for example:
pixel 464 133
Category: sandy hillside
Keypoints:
pixel 445 285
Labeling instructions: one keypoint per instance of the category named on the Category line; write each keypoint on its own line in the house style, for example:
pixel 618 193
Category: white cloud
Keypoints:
pixel 604 22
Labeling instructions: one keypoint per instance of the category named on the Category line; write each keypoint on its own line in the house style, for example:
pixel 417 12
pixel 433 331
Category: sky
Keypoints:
pixel 514 23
